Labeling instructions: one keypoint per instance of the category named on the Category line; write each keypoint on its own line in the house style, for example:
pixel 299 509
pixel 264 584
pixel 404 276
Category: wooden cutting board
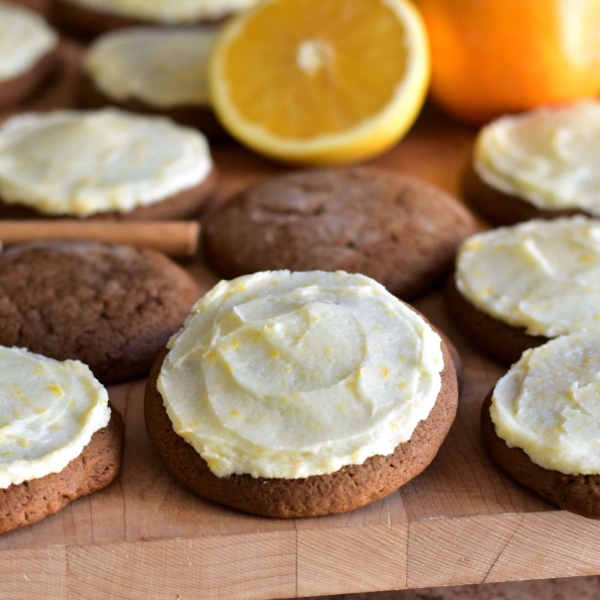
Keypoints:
pixel 462 521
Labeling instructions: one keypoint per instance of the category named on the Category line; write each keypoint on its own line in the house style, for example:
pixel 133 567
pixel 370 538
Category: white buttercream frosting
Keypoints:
pixel 549 157
pixel 540 275
pixel 168 11
pixel 81 163
pixel 161 67
pixel 24 39
pixel 289 375
pixel 548 404
pixel 49 411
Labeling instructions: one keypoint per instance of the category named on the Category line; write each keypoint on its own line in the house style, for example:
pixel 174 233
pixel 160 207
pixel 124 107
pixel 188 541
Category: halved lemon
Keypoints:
pixel 321 81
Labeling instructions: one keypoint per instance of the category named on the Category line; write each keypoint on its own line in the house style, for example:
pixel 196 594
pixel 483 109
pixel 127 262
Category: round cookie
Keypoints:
pixel 502 341
pixel 579 494
pixel 537 165
pixel 152 71
pixel 547 438
pixel 347 489
pixel 85 19
pixel 396 229
pixel 28 53
pixel 501 208
pixel 314 452
pixel 112 307
pixel 515 288
pixel 94 469
pixel 102 165
pixel 184 205
pixel 61 439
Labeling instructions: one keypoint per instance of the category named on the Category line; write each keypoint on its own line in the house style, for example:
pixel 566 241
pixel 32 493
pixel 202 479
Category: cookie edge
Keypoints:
pixel 551 485
pixel 224 490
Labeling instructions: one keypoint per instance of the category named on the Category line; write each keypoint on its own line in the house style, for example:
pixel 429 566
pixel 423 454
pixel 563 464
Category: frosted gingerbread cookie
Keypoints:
pixel 152 71
pixel 59 438
pixel 541 164
pixel 516 287
pixel 88 18
pixel 300 394
pixel 28 53
pixel 541 423
pixel 105 164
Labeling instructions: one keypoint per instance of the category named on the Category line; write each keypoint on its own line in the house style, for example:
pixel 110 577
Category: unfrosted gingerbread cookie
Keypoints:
pixel 398 230
pixel 112 307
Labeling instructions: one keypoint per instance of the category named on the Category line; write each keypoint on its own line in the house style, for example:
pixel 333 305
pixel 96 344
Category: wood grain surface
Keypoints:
pixel 146 537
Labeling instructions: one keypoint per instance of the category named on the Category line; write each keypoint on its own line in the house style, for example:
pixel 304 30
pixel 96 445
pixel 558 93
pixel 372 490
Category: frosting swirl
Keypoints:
pixel 540 275
pixel 296 374
pixel 49 411
pixel 164 68
pixel 82 163
pixel 24 39
pixel 548 404
pixel 549 157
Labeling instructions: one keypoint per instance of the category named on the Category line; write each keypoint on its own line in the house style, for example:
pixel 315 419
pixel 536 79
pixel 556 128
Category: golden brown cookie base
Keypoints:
pixel 185 205
pixel 94 469
pixel 202 118
pixel 349 488
pixel 502 341
pixel 14 91
pixel 504 209
pixel 396 229
pixel 81 22
pixel 576 493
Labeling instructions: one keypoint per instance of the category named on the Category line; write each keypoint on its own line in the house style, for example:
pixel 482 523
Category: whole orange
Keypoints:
pixel 491 57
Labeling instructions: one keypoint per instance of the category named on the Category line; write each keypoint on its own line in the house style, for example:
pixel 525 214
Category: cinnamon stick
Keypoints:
pixel 178 239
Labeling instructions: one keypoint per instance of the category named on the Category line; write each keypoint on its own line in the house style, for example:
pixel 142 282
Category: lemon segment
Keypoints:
pixel 321 81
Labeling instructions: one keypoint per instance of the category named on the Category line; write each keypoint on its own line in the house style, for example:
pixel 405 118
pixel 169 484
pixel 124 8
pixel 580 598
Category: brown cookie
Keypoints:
pixel 184 205
pixel 112 307
pixel 81 22
pixel 502 341
pixel 504 209
pixel 577 493
pixel 94 469
pixel 396 229
pixel 199 117
pixel 16 90
pixel 349 488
